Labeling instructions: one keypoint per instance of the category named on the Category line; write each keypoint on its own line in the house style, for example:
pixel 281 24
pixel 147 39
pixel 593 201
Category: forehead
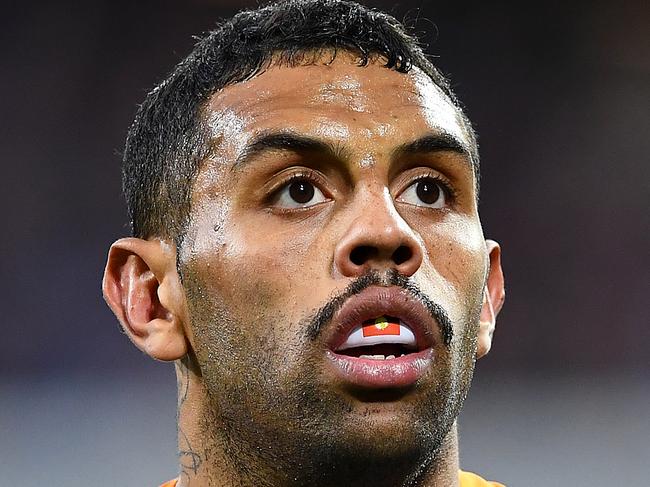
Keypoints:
pixel 339 100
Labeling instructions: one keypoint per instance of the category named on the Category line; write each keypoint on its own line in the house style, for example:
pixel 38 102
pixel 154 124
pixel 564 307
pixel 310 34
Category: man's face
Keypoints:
pixel 317 212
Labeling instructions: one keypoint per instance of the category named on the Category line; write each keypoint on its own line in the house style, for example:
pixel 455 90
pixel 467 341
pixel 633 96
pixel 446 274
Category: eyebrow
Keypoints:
pixel 294 142
pixel 288 141
pixel 433 142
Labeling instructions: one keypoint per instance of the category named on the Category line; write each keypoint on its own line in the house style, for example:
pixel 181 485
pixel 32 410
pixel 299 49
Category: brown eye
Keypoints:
pixel 301 191
pixel 427 192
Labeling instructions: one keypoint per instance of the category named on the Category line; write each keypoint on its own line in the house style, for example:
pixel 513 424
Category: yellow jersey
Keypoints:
pixel 467 479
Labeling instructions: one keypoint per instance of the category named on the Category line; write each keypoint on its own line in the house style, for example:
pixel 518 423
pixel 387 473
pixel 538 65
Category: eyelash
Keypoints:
pixel 315 178
pixel 305 174
pixel 451 192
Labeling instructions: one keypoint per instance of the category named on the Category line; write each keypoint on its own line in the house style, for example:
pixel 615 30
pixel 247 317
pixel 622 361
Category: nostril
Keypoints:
pixel 402 254
pixel 362 254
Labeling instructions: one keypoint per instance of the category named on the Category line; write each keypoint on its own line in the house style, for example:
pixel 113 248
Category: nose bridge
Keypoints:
pixel 377 237
pixel 385 224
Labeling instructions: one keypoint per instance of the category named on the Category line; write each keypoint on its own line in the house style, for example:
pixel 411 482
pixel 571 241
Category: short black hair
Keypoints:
pixel 168 138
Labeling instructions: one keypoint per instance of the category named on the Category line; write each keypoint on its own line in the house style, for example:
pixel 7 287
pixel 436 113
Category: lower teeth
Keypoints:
pixel 379 357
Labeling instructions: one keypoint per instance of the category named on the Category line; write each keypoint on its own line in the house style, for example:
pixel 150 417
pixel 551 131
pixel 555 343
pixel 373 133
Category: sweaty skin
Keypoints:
pixel 259 401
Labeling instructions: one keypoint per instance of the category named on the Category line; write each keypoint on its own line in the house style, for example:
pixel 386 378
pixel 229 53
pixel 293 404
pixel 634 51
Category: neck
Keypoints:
pixel 207 460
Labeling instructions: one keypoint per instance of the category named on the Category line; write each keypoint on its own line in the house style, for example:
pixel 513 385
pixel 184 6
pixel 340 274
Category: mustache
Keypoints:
pixel 373 278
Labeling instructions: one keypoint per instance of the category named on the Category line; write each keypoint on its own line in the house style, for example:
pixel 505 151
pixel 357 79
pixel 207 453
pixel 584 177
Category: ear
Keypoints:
pixel 493 297
pixel 142 287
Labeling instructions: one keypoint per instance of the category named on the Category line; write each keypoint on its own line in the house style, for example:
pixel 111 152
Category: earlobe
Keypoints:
pixel 493 298
pixel 142 287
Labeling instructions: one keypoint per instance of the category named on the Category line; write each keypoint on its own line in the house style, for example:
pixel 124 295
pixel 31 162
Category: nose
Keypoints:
pixel 378 239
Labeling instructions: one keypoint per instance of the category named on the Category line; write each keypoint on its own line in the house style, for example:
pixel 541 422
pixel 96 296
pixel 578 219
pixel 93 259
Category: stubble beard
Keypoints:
pixel 270 419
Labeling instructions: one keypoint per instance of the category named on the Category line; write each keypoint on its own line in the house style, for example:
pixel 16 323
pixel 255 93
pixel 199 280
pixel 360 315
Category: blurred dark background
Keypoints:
pixel 559 93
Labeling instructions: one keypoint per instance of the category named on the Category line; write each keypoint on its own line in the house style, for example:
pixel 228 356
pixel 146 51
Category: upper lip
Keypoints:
pixel 376 301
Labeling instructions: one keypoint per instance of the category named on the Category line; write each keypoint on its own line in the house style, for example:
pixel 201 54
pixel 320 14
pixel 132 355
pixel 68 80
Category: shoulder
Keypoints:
pixel 468 479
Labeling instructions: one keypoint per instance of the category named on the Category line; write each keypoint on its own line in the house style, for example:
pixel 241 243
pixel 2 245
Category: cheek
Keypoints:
pixel 259 267
pixel 276 259
pixel 250 291
pixel 456 260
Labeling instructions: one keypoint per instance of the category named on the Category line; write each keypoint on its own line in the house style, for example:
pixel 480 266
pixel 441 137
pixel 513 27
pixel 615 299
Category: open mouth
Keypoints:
pixel 381 353
pixel 382 338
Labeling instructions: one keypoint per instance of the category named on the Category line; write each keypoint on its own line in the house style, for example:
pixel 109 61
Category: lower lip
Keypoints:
pixel 381 374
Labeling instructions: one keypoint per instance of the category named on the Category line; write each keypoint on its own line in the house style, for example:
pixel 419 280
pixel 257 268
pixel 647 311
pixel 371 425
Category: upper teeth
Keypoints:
pixel 357 338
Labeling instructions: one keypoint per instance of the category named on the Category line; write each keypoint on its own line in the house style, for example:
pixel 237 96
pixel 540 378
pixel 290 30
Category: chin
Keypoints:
pixel 380 449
